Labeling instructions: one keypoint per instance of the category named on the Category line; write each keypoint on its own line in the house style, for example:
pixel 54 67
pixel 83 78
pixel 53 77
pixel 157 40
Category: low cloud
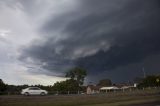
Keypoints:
pixel 101 36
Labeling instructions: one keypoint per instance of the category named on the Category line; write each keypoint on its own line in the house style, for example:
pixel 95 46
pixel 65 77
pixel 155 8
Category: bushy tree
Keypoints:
pixel 68 85
pixel 76 78
pixel 104 82
pixel 150 81
pixel 3 86
pixel 78 74
pixel 138 80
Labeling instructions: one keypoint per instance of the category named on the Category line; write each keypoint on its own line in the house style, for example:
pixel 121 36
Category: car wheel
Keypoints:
pixel 26 94
pixel 42 93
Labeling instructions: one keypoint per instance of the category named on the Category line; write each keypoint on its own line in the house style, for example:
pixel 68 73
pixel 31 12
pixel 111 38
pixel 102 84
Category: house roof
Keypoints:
pixel 109 88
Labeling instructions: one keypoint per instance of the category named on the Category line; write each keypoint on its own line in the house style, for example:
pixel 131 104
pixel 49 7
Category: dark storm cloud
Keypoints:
pixel 45 57
pixel 121 55
pixel 99 35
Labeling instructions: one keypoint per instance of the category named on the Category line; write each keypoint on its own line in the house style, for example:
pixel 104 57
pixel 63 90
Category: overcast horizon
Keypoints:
pixel 115 39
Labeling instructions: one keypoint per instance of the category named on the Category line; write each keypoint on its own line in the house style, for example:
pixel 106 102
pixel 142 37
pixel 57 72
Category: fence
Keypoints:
pixel 145 90
pixel 49 92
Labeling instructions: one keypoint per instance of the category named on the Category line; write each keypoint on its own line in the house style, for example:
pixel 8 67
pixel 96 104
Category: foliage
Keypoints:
pixel 3 86
pixel 68 85
pixel 16 89
pixel 104 82
pixel 138 80
pixel 77 74
pixel 150 81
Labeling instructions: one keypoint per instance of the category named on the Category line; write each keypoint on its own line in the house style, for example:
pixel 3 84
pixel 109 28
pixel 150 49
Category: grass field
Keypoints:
pixel 110 99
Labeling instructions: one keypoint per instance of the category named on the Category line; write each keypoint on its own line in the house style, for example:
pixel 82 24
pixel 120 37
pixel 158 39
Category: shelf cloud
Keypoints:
pixel 111 39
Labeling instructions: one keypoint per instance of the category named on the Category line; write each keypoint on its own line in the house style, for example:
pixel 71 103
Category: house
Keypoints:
pixel 125 86
pixel 109 89
pixel 91 89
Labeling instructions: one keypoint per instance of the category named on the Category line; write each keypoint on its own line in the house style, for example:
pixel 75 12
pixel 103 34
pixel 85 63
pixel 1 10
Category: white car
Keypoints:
pixel 33 91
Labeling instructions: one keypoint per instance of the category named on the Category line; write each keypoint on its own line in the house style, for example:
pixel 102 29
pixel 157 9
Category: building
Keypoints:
pixel 91 89
pixel 109 89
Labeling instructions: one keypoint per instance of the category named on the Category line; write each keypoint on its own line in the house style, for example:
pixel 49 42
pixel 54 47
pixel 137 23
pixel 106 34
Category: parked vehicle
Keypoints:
pixel 33 91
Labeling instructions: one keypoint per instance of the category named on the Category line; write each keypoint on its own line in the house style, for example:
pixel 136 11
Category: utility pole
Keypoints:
pixel 144 74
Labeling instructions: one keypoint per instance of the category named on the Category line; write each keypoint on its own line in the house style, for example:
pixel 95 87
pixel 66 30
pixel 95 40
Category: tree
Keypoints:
pixel 77 74
pixel 3 86
pixel 150 81
pixel 104 82
pixel 67 86
pixel 138 80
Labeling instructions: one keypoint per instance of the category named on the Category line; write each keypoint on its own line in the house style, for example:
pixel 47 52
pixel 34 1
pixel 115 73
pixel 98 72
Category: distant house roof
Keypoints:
pixel 92 87
pixel 109 88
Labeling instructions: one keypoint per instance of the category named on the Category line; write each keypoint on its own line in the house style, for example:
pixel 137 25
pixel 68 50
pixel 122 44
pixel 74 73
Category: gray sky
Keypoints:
pixel 41 39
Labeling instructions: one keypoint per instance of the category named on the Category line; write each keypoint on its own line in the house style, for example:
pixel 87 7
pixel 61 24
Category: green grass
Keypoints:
pixel 110 99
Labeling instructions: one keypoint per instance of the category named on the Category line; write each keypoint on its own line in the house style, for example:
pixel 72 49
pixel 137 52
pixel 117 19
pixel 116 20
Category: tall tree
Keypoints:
pixel 151 81
pixel 77 74
pixel 3 86
pixel 105 82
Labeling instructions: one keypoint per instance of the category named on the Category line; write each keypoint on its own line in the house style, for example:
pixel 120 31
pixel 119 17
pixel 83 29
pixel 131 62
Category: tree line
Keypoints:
pixel 74 83
pixel 149 81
